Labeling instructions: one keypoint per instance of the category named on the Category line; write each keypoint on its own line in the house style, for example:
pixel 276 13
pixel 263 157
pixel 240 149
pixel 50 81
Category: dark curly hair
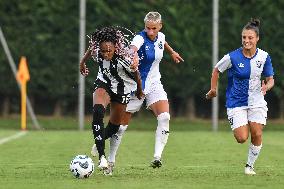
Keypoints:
pixel 253 24
pixel 106 34
pixel 109 34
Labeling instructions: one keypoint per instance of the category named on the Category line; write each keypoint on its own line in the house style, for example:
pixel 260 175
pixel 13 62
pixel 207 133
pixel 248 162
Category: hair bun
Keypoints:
pixel 255 22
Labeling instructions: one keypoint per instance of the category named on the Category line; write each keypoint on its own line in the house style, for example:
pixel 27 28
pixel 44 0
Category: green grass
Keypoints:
pixel 147 123
pixel 192 159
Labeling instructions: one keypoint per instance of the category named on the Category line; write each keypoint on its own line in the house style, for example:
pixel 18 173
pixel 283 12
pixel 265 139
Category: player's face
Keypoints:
pixel 152 29
pixel 249 39
pixel 107 50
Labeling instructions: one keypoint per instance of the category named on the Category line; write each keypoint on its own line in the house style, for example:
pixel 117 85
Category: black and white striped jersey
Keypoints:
pixel 117 74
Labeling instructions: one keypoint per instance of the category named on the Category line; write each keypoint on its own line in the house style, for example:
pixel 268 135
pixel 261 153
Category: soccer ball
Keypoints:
pixel 82 166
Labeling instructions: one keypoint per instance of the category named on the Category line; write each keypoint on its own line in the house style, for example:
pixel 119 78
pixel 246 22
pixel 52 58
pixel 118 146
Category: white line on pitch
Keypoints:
pixel 15 136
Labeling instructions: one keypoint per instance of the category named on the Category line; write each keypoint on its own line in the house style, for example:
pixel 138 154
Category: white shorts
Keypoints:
pixel 156 94
pixel 240 116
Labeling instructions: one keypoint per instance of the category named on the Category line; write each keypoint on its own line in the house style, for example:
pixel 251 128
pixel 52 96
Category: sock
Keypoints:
pixel 98 128
pixel 114 142
pixel 110 130
pixel 162 134
pixel 253 154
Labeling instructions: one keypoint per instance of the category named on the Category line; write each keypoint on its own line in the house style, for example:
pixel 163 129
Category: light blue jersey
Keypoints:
pixel 244 77
pixel 150 55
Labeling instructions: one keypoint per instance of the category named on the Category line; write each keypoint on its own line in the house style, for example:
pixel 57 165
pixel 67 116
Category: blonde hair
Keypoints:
pixel 153 17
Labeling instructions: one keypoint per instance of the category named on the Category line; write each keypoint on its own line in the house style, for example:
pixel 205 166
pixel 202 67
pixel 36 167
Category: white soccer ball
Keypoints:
pixel 82 166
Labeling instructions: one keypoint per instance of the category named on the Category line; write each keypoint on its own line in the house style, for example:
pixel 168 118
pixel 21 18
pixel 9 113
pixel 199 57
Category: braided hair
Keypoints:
pixel 108 34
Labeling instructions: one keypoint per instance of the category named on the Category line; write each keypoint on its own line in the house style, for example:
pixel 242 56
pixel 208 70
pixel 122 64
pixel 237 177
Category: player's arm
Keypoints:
pixel 83 68
pixel 134 55
pixel 214 82
pixel 267 84
pixel 175 56
pixel 139 91
pixel 137 77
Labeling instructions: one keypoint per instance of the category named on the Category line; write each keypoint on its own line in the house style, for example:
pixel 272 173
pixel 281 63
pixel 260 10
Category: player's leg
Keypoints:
pixel 133 106
pixel 100 100
pixel 257 118
pixel 161 111
pixel 114 143
pixel 157 101
pixel 239 123
pixel 116 115
pixel 239 120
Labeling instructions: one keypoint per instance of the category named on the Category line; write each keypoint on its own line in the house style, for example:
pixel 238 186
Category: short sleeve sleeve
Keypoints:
pixel 224 64
pixel 267 68
pixel 137 41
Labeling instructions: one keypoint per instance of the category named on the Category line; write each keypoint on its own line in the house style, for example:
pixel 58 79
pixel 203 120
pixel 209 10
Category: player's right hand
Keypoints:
pixel 211 94
pixel 135 62
pixel 84 70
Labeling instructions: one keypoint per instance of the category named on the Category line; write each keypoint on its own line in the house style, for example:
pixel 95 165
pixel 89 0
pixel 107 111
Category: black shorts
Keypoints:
pixel 120 98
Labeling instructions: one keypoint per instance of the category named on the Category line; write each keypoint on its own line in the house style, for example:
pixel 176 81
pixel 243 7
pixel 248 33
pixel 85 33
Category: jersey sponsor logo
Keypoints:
pixel 106 71
pixel 241 65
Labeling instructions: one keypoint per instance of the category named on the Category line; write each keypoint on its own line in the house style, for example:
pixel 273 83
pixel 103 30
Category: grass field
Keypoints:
pixel 192 159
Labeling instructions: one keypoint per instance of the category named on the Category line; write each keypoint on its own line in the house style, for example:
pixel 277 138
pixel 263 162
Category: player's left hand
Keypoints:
pixel 263 88
pixel 176 57
pixel 139 93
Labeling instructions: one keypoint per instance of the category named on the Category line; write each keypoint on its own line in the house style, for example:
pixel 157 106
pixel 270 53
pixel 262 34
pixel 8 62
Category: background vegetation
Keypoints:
pixel 46 32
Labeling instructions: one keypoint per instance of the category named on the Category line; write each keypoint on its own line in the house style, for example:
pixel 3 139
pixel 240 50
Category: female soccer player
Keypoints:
pixel 149 44
pixel 246 107
pixel 115 81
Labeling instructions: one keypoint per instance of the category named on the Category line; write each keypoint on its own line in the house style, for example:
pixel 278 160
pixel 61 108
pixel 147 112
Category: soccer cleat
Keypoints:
pixel 156 163
pixel 109 170
pixel 94 150
pixel 103 163
pixel 249 170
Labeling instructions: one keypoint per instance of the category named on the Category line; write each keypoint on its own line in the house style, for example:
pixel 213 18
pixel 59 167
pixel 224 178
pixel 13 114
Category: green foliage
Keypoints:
pixel 46 32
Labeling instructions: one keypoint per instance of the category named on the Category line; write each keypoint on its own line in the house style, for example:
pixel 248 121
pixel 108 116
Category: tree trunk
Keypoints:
pixel 190 108
pixel 6 106
pixel 57 109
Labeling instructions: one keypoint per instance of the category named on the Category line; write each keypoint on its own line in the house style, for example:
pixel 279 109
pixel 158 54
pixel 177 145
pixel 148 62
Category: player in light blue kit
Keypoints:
pixel 246 107
pixel 149 44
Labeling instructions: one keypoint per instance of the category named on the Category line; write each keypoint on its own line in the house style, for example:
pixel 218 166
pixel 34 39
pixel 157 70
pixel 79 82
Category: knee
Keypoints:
pixel 98 110
pixel 241 139
pixel 256 135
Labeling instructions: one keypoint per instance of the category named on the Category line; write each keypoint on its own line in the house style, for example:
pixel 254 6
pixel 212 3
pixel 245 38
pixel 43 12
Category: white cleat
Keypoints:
pixel 249 170
pixel 94 150
pixel 103 164
pixel 109 170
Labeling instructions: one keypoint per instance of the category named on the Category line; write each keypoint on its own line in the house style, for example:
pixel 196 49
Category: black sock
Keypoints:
pixel 110 130
pixel 98 128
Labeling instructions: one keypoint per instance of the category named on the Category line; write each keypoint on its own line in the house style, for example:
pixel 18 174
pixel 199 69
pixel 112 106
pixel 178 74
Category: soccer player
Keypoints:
pixel 246 107
pixel 116 79
pixel 149 44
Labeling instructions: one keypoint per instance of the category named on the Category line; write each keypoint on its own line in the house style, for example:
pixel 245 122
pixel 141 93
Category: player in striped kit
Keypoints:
pixel 116 79
pixel 246 107
pixel 149 44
